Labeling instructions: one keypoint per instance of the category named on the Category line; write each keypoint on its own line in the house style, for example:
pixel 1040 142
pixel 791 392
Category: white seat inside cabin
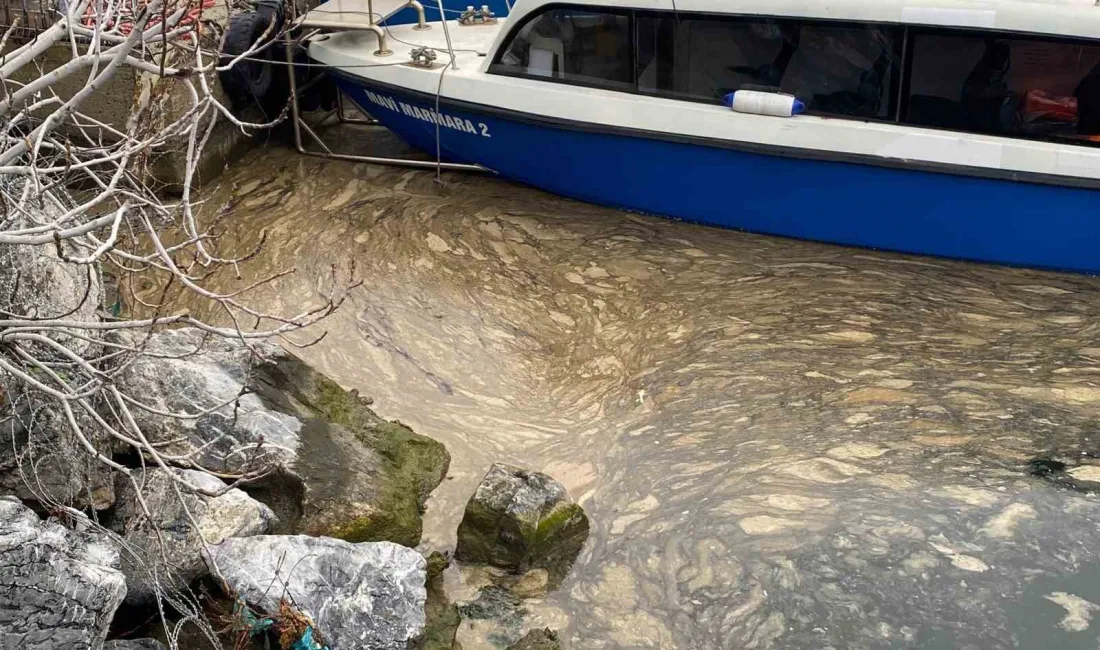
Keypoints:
pixel 545 53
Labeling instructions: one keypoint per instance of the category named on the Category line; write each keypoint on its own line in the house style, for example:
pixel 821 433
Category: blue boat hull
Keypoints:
pixel 914 211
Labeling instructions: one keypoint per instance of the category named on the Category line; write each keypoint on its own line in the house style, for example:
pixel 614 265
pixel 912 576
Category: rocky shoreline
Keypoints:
pixel 315 551
pixel 326 540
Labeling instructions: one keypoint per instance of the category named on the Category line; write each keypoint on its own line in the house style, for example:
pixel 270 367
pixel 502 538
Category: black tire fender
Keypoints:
pixel 262 77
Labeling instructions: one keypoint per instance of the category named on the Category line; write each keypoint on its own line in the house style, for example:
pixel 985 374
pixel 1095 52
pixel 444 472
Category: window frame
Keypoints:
pixel 914 31
pixel 495 66
pixel 892 94
pixel 631 87
pixel 898 94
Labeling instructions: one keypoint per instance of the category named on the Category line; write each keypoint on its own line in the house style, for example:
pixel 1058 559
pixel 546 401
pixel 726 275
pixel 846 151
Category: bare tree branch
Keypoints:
pixel 75 191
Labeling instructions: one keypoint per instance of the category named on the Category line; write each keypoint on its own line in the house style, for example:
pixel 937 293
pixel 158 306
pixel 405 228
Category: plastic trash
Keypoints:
pixel 759 102
pixel 307 642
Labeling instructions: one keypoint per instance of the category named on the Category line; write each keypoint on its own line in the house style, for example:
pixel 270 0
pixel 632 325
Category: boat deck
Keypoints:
pixel 350 46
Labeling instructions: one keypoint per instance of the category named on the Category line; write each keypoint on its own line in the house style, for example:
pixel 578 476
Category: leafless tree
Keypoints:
pixel 78 190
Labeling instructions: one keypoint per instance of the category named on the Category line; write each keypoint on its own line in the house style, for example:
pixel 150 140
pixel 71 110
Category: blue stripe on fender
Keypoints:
pixel 913 211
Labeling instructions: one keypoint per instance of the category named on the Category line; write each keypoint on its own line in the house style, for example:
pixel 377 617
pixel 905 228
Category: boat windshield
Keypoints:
pixel 576 46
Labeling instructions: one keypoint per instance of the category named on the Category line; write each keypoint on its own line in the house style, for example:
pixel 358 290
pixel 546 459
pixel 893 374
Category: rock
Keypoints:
pixel 43 462
pixel 59 589
pixel 520 520
pixel 545 639
pixel 134 644
pixel 498 606
pixel 344 471
pixel 441 617
pixel 366 479
pixel 241 435
pixel 366 595
pixel 36 283
pixel 232 514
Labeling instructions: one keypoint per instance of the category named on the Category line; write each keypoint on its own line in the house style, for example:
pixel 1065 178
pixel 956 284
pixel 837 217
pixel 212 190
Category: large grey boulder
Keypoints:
pixel 188 371
pixel 366 595
pixel 342 471
pixel 41 459
pixel 521 520
pixel 36 282
pixel 178 561
pixel 59 589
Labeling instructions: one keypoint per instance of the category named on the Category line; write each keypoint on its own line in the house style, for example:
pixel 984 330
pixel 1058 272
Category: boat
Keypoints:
pixel 954 128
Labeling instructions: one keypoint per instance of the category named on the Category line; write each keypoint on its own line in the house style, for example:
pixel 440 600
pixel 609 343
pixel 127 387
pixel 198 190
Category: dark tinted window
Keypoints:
pixel 584 47
pixel 837 68
pixel 1008 86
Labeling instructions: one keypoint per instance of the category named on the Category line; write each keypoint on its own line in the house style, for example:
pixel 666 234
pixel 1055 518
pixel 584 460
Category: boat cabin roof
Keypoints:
pixel 1070 18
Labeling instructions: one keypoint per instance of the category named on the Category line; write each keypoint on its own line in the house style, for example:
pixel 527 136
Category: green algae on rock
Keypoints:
pixel 544 639
pixel 366 479
pixel 521 520
pixel 503 608
pixel 441 617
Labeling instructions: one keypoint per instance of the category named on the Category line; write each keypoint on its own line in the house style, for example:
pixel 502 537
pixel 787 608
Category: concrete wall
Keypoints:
pixel 111 105
pixel 155 101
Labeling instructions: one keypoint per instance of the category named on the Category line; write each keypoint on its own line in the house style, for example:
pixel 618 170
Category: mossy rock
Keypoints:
pixel 441 617
pixel 544 639
pixel 521 520
pixel 365 479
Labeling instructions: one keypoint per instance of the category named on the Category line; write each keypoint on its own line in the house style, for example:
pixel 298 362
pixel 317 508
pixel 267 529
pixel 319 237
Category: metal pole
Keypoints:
pixel 401 162
pixel 295 117
pixel 299 124
pixel 446 34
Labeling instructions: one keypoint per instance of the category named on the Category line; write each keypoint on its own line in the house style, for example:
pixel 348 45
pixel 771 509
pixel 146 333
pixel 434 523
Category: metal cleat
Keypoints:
pixel 482 16
pixel 423 57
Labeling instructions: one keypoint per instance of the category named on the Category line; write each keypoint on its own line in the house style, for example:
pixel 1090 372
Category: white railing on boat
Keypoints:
pixel 351 16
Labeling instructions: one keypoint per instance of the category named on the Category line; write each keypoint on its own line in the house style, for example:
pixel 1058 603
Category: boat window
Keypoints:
pixel 834 68
pixel 1013 86
pixel 574 45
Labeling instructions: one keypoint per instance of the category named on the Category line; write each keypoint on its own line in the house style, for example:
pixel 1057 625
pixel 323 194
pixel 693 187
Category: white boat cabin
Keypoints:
pixel 1000 86
pixel 962 66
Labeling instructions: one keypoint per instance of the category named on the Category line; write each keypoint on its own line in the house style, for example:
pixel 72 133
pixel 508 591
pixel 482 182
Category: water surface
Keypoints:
pixel 780 444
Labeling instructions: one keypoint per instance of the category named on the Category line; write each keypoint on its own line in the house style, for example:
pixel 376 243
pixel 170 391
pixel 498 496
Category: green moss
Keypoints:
pixel 398 523
pixel 415 465
pixel 437 564
pixel 421 461
pixel 411 465
pixel 555 522
pixel 557 541
pixel 333 402
pixel 441 617
pixel 545 639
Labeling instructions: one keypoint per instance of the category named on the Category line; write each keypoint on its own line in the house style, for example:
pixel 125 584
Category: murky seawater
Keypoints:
pixel 780 444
